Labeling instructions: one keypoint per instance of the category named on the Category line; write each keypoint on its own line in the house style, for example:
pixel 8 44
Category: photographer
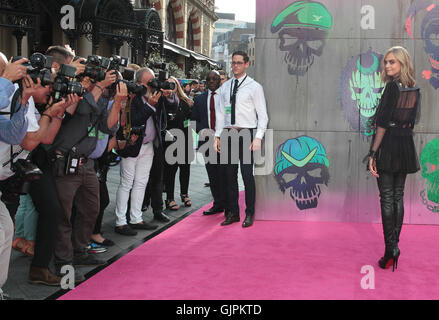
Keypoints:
pixel 178 108
pixel 11 132
pixel 138 157
pixel 40 128
pixel 103 156
pixel 75 177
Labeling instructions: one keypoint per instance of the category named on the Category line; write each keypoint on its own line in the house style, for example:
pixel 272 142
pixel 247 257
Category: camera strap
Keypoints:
pixel 53 148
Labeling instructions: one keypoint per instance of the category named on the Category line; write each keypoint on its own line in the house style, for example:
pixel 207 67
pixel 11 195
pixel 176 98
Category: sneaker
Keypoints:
pixel 94 247
pixel 88 261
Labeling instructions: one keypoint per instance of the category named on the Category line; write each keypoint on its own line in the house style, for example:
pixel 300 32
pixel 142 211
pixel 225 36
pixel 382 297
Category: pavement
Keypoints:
pixel 18 286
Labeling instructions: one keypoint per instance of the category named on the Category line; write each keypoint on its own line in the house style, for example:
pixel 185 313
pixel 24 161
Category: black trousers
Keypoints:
pixel 391 187
pixel 154 188
pixel 230 173
pixel 170 170
pixel 45 198
pixel 216 181
pixel 104 201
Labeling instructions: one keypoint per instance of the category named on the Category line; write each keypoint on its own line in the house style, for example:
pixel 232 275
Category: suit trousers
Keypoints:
pixel 83 190
pixel 134 175
pixel 216 181
pixel 6 235
pixel 230 173
pixel 154 189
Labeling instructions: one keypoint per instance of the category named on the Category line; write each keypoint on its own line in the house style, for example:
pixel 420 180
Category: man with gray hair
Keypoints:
pixel 137 158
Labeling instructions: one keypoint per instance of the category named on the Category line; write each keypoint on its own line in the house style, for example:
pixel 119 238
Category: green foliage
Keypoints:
pixel 199 71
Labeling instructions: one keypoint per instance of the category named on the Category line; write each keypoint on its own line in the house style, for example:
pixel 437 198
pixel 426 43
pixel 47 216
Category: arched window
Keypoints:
pixel 170 30
pixel 190 35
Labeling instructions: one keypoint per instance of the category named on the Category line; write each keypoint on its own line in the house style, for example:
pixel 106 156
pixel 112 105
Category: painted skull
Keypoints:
pixel 361 90
pixel 430 169
pixel 303 28
pixel 302 166
pixel 430 35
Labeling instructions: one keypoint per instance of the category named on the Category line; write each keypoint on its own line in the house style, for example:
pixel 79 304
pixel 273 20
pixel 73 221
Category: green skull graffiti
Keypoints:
pixel 430 169
pixel 366 87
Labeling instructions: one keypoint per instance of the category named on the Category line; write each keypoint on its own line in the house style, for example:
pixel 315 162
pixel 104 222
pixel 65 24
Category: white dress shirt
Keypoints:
pixel 250 107
pixel 216 98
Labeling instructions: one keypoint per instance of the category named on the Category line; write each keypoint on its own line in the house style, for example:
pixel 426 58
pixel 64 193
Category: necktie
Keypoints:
pixel 233 101
pixel 212 111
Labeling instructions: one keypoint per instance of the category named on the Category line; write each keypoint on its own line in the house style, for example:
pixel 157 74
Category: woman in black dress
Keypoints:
pixel 178 108
pixel 393 155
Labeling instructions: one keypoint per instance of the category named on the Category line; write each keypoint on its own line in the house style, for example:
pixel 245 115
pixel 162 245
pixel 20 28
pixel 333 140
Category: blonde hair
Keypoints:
pixel 407 73
pixel 133 66
pixel 180 91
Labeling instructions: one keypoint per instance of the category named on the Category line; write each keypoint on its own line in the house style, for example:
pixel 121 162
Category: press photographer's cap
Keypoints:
pixel 303 14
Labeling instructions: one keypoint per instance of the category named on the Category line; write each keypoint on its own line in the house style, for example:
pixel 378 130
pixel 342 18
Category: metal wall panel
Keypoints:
pixel 319 103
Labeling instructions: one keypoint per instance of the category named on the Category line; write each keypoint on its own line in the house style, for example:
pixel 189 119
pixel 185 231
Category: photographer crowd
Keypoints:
pixel 64 121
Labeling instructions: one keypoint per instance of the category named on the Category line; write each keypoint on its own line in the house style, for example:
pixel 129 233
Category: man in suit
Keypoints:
pixel 137 159
pixel 243 112
pixel 203 113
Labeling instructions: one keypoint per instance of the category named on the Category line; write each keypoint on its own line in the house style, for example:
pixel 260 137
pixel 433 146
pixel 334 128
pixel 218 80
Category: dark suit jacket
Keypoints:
pixel 200 114
pixel 140 113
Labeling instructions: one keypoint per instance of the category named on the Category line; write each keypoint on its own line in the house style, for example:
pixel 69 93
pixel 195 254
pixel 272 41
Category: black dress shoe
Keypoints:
pixel 231 218
pixel 125 230
pixel 159 216
pixel 248 222
pixel 143 226
pixel 212 210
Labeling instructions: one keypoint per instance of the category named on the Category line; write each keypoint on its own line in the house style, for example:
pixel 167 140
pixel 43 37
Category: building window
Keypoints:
pixel 190 35
pixel 170 30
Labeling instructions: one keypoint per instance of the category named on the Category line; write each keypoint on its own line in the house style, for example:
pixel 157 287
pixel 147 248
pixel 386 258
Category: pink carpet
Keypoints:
pixel 197 259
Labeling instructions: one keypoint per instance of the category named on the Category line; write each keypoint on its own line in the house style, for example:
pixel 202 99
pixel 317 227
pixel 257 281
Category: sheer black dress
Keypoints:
pixel 395 119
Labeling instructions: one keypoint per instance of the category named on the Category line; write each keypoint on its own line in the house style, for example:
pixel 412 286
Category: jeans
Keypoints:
pixel 26 219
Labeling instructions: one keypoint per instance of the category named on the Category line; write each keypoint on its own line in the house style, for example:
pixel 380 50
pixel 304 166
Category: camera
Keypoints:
pixel 132 87
pixel 62 86
pixel 95 68
pixel 115 62
pixel 25 172
pixel 161 82
pixel 128 79
pixel 138 131
pixel 38 67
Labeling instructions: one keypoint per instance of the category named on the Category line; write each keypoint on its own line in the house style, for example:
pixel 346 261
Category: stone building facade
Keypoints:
pixel 178 29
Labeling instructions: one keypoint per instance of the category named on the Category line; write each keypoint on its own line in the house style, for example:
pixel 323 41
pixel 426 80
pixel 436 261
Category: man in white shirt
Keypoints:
pixel 242 107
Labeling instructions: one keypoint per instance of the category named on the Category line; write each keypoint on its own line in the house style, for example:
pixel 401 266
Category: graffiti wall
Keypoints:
pixel 320 63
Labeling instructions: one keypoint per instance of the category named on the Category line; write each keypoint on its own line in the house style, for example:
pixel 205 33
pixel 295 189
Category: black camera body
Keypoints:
pixel 38 67
pixel 62 85
pixel 132 87
pixel 160 82
pixel 115 62
pixel 95 68
pixel 25 172
pixel 138 131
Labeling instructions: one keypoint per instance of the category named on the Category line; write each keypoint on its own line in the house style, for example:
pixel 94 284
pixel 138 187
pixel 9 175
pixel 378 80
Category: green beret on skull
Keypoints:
pixel 303 14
